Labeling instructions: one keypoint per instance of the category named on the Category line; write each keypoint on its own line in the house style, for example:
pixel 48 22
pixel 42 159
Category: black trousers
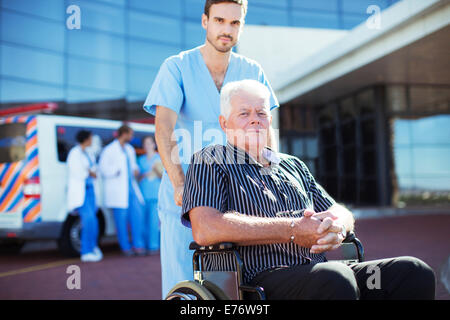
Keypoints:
pixel 401 278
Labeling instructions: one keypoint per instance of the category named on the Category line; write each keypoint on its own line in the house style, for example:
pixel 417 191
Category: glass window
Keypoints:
pixel 22 91
pixel 32 64
pixel 403 161
pixel 311 147
pixel 327 115
pixel 324 5
pixel 421 152
pixel 155 27
pixel 96 45
pixel 396 98
pixel 52 9
pixel 350 21
pixel 433 130
pixel 298 147
pixel 431 160
pixel 267 16
pixel 193 9
pixel 92 74
pixel 195 35
pixel 66 139
pixel 75 95
pixel 141 79
pixel 312 19
pixel 149 54
pixel 365 102
pixel 32 31
pixel 170 7
pixel 284 147
pixel 402 132
pixel 271 3
pixel 12 142
pixel 115 2
pixel 136 97
pixel 101 17
pixel 425 98
pixel 360 6
pixel 347 109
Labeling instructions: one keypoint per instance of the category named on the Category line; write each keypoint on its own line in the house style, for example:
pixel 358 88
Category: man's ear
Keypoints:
pixel 204 21
pixel 223 123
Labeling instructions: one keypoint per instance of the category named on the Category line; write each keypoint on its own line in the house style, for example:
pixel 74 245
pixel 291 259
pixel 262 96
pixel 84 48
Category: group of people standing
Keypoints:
pixel 130 190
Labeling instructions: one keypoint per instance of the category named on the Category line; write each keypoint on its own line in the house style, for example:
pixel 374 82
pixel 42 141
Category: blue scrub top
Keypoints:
pixel 184 85
pixel 149 187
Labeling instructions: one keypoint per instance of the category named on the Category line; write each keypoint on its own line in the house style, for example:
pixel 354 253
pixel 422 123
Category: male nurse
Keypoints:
pixel 185 100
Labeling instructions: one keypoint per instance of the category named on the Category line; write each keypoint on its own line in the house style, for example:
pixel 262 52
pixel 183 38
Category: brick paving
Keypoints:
pixel 117 277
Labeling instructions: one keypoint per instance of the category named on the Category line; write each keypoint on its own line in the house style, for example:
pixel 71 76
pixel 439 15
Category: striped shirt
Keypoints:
pixel 230 180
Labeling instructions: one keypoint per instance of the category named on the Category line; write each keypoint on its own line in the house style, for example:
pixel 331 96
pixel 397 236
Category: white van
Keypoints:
pixel 33 178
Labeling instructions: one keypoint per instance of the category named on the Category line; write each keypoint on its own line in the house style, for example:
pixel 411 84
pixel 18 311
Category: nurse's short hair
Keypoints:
pixel 233 88
pixel 83 135
pixel 209 3
pixel 123 129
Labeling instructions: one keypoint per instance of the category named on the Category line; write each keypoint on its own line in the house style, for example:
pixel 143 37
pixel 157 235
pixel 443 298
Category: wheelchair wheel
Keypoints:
pixel 189 290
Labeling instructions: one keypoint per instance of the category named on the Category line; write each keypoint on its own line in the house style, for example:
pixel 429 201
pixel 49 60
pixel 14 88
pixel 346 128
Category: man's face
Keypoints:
pixel 129 136
pixel 89 141
pixel 224 25
pixel 247 126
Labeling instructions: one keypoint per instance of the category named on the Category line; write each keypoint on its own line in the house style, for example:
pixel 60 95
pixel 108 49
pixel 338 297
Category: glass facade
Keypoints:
pixel 420 131
pixel 120 45
pixel 383 145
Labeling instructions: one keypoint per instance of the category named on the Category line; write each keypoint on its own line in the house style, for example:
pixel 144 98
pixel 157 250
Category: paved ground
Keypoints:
pixel 40 272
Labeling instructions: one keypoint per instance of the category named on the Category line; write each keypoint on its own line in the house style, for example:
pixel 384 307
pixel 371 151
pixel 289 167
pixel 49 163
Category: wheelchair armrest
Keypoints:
pixel 350 237
pixel 215 247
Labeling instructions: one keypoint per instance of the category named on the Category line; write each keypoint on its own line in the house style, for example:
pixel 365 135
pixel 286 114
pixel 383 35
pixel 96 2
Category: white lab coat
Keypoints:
pixel 114 170
pixel 78 171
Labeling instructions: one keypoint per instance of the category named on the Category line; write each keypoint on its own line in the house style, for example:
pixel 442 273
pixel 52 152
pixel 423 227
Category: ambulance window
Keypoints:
pixel 66 139
pixel 12 142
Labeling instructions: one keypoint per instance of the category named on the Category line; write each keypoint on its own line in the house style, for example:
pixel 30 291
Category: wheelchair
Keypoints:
pixel 228 285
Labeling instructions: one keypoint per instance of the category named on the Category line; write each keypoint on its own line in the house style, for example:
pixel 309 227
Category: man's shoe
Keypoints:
pixel 90 257
pixel 98 252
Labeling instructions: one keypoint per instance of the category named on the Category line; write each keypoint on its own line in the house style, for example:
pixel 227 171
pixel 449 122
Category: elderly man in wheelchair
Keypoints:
pixel 262 224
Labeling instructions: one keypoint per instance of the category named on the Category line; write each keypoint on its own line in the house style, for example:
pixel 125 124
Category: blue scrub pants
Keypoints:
pixel 176 258
pixel 89 222
pixel 151 225
pixel 132 216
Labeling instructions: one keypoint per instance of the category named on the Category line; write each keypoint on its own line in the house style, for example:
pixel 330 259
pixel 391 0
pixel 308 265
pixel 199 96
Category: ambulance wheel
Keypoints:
pixel 69 243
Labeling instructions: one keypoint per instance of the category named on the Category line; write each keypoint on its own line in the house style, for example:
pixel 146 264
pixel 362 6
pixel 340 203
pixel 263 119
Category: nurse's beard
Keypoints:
pixel 221 49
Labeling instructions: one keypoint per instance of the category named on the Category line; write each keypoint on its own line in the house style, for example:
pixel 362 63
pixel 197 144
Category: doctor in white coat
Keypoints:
pixel 119 169
pixel 81 195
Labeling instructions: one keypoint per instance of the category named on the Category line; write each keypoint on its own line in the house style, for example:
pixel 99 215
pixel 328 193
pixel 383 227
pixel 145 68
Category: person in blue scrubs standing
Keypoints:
pixel 185 100
pixel 151 172
pixel 81 195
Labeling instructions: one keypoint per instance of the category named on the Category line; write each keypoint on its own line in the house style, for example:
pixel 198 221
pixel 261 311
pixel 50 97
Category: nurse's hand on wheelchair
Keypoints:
pixel 178 195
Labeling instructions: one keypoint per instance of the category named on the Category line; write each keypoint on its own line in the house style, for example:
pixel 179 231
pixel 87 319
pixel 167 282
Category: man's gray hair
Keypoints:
pixel 248 85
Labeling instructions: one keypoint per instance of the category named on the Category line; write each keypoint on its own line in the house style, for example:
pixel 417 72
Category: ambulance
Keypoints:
pixel 33 178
